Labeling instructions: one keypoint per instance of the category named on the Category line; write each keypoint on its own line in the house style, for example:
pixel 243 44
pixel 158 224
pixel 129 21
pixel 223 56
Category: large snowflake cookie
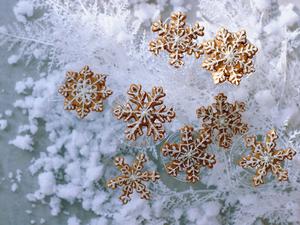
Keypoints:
pixel 177 39
pixel 229 56
pixel 144 109
pixel 132 178
pixel 223 117
pixel 189 155
pixel 84 91
pixel 264 157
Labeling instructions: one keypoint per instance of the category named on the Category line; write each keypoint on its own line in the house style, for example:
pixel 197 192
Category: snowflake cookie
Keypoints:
pixel 132 178
pixel 223 117
pixel 144 109
pixel 189 155
pixel 177 39
pixel 265 157
pixel 229 56
pixel 84 91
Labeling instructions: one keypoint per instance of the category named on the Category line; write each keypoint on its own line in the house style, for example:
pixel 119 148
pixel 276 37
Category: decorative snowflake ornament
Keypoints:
pixel 144 109
pixel 132 178
pixel 265 157
pixel 229 56
pixel 223 117
pixel 84 91
pixel 177 39
pixel 189 155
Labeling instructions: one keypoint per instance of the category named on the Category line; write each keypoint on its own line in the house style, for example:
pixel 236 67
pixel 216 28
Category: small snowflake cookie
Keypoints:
pixel 177 39
pixel 229 56
pixel 144 109
pixel 223 117
pixel 264 157
pixel 84 91
pixel 132 178
pixel 189 155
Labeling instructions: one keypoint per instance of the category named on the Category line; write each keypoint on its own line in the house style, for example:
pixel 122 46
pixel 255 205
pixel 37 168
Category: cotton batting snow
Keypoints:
pixel 23 10
pixel 3 124
pixel 23 142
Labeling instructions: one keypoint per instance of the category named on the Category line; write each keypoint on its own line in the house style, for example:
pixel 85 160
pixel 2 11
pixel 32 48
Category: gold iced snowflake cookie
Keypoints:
pixel 223 117
pixel 264 157
pixel 189 155
pixel 229 56
pixel 177 39
pixel 132 178
pixel 84 91
pixel 144 109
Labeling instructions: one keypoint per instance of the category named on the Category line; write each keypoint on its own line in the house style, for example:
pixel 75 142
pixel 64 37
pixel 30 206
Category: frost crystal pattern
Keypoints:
pixel 84 91
pixel 177 39
pixel 132 178
pixel 145 109
pixel 229 56
pixel 223 117
pixel 265 157
pixel 189 155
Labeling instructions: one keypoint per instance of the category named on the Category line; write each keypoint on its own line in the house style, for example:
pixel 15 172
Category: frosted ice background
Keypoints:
pixel 112 37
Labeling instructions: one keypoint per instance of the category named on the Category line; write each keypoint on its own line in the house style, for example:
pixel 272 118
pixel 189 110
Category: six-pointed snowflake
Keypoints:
pixel 189 155
pixel 177 39
pixel 229 56
pixel 223 117
pixel 144 109
pixel 84 91
pixel 265 157
pixel 132 178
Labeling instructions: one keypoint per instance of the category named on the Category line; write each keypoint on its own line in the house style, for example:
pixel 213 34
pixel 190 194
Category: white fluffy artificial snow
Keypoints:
pixel 73 221
pixel 23 142
pixel 112 38
pixel 23 10
pixel 3 124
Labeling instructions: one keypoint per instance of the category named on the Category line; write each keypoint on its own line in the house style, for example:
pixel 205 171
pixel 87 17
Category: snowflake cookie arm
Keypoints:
pixel 177 21
pixel 127 112
pixel 176 58
pixel 207 159
pixel 224 138
pixel 139 162
pixel 221 105
pixel 192 173
pixel 207 116
pixel 261 172
pixel 280 155
pixel 249 161
pixel 193 33
pixel 204 139
pixel 270 140
pixel 170 150
pixel 173 167
pixel 133 129
pixel 155 46
pixel 279 172
pixel 176 52
pixel 158 116
pixel 204 158
pixel 237 126
pixel 142 190
pixel 125 170
pixel 126 192
pixel 162 114
pixel 122 166
pixel 116 182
